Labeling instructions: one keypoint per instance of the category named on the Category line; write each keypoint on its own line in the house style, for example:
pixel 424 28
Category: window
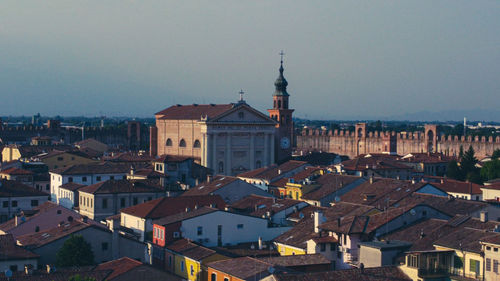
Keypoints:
pixel 169 142
pixel 241 115
pixel 488 248
pixel 5 204
pixel 213 277
pixel 258 164
pixel 111 177
pixel 221 167
pixel 495 249
pixel 200 230
pixel 176 234
pixel 84 179
pixel 239 226
pixel 104 203
pixel 34 203
pixel 413 261
pixel 70 179
pixel 182 143
pixel 495 266
pixel 60 158
pixel 322 247
pixel 182 266
pixel 13 268
pixel 14 203
pixel 474 265
pixel 122 202
pixel 226 279
pixel 332 247
pixel 192 270
pixel 47 187
pixel 169 260
pixel 91 203
pixel 104 246
pixel 98 178
pixel 135 200
pixel 150 198
pixel 488 264
pixel 197 144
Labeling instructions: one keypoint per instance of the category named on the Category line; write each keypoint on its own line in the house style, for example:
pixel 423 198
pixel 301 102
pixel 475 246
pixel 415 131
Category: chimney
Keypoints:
pixel 50 268
pixel 187 209
pixel 196 207
pixel 318 219
pixel 279 171
pixel 209 178
pixel 371 179
pixel 442 180
pixel 413 181
pixel 17 221
pixel 260 243
pixel 484 216
pixel 84 219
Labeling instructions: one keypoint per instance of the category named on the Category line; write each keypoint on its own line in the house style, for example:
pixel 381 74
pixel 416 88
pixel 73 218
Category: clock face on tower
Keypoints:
pixel 285 142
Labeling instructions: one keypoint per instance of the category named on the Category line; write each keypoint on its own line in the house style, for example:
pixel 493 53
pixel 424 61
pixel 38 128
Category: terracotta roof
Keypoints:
pixel 129 157
pixel 11 188
pixel 195 111
pixel 16 171
pixel 190 249
pixel 119 266
pixel 62 274
pixel 209 187
pixel 466 239
pixel 330 183
pixel 274 171
pixel 318 158
pixel 44 237
pixel 421 234
pixel 249 249
pixel 171 158
pixel 54 153
pixel 495 186
pixel 149 173
pixel 10 250
pixel 306 173
pixel 257 206
pixel 185 215
pixel 167 206
pixel 305 212
pixel 71 186
pixel 449 206
pixel 454 186
pixel 94 168
pixel 296 260
pixel 243 268
pixel 299 234
pixel 49 215
pixel 386 273
pixel 426 158
pixel 28 151
pixel 365 163
pixel 279 183
pixel 122 186
pixel 381 190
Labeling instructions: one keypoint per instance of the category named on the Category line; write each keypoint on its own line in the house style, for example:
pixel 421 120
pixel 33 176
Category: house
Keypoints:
pixel 331 187
pixel 139 218
pixel 231 189
pixel 129 157
pixel 16 197
pixel 489 247
pixel 264 176
pixel 429 265
pixel 69 194
pixel 13 152
pixel 106 198
pixel 92 144
pixel 87 174
pixel 429 164
pixel 187 259
pixel 369 165
pixel 302 183
pixel 47 242
pixel 60 159
pixel 491 192
pixel 274 209
pixel 381 253
pixel 238 269
pixel 301 263
pixel 460 189
pixel 181 169
pixel 127 269
pixel 14 257
pixel 17 174
pixel 213 227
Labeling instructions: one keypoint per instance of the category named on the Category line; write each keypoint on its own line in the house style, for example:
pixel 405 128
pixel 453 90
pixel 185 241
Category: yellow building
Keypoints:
pixel 188 260
pixel 59 159
pixel 289 250
pixel 302 183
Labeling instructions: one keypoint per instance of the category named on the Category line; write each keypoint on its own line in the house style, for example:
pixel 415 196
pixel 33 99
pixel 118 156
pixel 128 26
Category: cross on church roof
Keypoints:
pixel 241 94
pixel 282 54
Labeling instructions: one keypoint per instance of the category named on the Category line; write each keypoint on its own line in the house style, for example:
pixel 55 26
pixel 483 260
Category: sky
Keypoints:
pixel 343 59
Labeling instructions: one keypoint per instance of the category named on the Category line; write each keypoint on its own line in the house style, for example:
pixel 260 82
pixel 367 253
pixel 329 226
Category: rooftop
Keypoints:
pixel 193 112
pixel 209 187
pixel 454 186
pixel 123 186
pixel 11 251
pixel 94 168
pixel 243 268
pixel 274 171
pixel 385 273
pixel 11 188
pixel 190 249
pixel 258 206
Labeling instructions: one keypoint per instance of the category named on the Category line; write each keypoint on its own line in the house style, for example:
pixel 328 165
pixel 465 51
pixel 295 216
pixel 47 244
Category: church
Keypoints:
pixel 227 138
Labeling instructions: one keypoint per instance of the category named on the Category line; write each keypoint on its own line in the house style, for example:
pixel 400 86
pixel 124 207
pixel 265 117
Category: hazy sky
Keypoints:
pixel 343 58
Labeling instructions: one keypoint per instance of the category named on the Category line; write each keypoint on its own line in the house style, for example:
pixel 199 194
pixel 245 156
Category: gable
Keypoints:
pixel 244 114
pixel 430 189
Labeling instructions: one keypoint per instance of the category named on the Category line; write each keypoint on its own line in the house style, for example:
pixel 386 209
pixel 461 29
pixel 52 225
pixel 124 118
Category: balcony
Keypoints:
pixel 433 272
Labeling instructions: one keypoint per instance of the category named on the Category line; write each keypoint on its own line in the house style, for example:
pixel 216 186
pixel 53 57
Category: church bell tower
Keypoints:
pixel 280 112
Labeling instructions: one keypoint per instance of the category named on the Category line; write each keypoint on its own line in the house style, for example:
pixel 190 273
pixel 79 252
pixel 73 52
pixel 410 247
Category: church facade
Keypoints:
pixel 227 138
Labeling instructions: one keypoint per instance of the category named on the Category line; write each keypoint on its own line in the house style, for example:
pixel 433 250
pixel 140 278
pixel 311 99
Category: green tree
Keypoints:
pixel 453 171
pixel 468 166
pixel 461 153
pixel 491 170
pixel 75 252
pixel 496 154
